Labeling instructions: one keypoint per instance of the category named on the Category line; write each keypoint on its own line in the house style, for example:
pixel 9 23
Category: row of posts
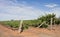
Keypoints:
pixel 21 24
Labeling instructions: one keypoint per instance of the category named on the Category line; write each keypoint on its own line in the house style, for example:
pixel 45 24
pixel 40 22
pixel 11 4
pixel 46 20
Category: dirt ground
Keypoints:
pixel 31 32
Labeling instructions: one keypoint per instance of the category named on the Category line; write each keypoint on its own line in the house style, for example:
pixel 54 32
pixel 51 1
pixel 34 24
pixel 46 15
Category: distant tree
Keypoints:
pixel 47 18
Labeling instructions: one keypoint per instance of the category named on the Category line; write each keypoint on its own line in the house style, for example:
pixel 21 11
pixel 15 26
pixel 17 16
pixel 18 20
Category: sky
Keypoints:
pixel 28 9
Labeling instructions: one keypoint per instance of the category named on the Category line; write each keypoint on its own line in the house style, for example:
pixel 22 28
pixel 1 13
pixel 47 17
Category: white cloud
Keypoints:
pixel 51 5
pixel 9 11
pixel 4 16
pixel 55 11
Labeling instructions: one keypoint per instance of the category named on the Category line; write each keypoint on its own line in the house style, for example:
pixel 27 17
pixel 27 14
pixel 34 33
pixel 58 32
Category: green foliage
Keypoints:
pixel 34 23
pixel 25 26
pixel 57 21
pixel 13 24
pixel 44 26
pixel 47 18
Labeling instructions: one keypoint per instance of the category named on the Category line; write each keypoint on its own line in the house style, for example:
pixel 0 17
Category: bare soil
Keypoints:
pixel 31 32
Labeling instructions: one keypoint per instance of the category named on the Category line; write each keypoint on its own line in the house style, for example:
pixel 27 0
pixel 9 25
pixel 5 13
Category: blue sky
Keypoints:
pixel 27 9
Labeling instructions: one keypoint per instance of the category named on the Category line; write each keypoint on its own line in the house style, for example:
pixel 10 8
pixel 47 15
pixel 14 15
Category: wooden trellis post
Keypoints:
pixel 20 26
pixel 54 22
pixel 51 23
pixel 41 24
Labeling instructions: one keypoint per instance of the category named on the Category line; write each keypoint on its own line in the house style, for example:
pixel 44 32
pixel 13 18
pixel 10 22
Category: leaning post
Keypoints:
pixel 20 26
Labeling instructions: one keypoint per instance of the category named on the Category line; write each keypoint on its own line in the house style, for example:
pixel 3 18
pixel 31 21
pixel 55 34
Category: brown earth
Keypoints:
pixel 31 32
